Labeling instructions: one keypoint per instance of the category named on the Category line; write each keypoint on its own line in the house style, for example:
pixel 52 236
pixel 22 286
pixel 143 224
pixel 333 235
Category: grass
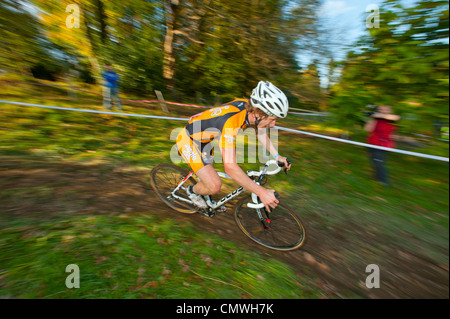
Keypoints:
pixel 143 257
pixel 135 257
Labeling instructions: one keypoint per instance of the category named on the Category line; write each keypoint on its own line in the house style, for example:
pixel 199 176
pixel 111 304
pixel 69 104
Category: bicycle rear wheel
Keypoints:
pixel 284 232
pixel 164 179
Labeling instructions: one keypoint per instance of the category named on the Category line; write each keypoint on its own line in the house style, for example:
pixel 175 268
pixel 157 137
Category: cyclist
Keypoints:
pixel 267 103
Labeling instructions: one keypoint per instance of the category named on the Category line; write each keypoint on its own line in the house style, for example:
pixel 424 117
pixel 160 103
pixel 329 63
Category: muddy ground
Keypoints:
pixel 38 190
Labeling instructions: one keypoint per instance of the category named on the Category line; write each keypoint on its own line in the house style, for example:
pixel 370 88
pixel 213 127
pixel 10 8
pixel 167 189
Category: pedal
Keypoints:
pixel 221 209
pixel 209 212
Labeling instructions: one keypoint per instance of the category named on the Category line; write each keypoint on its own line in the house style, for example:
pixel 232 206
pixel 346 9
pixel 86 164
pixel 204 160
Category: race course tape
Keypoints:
pixel 94 111
pixel 438 158
pixel 97 94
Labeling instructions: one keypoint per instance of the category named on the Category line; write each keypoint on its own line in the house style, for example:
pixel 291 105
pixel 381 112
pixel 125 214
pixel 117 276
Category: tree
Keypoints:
pixel 19 38
pixel 242 42
pixel 403 63
pixel 182 25
pixel 218 48
pixel 126 34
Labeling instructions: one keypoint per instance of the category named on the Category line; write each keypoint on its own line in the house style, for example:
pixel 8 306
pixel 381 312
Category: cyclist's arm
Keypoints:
pixel 264 139
pixel 227 144
pixel 237 174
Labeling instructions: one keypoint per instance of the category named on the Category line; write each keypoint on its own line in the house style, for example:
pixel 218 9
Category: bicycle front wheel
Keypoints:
pixel 164 179
pixel 281 230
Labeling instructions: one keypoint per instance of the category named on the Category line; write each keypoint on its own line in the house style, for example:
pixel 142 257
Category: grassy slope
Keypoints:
pixel 136 257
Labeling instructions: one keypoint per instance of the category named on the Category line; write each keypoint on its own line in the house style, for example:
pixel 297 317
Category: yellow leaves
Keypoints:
pixel 413 103
pixel 60 32
pixel 434 181
pixel 68 238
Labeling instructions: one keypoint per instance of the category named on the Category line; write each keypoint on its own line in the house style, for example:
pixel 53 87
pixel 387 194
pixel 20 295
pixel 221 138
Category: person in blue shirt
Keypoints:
pixel 111 88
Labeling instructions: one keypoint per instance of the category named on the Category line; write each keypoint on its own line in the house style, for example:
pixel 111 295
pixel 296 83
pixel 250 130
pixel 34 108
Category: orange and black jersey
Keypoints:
pixel 222 122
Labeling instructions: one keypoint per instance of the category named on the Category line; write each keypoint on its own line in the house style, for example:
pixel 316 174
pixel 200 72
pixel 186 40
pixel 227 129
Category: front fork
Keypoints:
pixel 262 212
pixel 264 217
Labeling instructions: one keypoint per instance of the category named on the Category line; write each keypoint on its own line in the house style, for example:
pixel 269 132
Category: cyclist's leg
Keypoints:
pixel 210 182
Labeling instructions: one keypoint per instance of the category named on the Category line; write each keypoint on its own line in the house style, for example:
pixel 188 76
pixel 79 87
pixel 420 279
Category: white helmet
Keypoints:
pixel 270 99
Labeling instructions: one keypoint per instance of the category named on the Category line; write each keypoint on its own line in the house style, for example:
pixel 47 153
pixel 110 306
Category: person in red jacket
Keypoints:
pixel 381 127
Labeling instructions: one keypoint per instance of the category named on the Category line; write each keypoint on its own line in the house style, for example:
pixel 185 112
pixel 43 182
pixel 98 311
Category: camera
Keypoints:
pixel 366 113
pixel 370 109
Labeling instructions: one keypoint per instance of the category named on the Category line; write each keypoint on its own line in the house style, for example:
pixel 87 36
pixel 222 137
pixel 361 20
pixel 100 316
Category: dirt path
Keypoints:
pixel 39 190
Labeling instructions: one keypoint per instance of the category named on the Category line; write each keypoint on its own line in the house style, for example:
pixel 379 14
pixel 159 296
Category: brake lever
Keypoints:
pixel 281 164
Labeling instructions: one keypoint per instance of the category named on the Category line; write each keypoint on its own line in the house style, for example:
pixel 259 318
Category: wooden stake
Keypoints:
pixel 162 103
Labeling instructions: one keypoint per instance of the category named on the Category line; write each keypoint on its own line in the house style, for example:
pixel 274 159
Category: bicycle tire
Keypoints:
pixel 164 178
pixel 286 231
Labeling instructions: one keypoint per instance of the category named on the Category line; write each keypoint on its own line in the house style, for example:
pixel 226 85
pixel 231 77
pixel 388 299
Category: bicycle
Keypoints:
pixel 281 229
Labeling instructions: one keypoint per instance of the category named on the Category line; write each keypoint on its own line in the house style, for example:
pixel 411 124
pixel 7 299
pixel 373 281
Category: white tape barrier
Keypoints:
pixel 94 111
pixel 438 158
pixel 308 114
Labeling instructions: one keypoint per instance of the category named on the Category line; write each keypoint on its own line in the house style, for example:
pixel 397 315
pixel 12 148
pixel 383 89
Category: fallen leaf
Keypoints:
pixel 101 259
pixel 309 258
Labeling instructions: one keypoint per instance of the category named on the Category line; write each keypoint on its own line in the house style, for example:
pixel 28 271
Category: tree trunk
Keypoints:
pixel 169 54
pixel 94 54
pixel 101 17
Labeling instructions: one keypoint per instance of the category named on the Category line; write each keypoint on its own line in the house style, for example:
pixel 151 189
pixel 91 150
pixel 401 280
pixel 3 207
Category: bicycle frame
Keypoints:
pixel 214 205
pixel 210 203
